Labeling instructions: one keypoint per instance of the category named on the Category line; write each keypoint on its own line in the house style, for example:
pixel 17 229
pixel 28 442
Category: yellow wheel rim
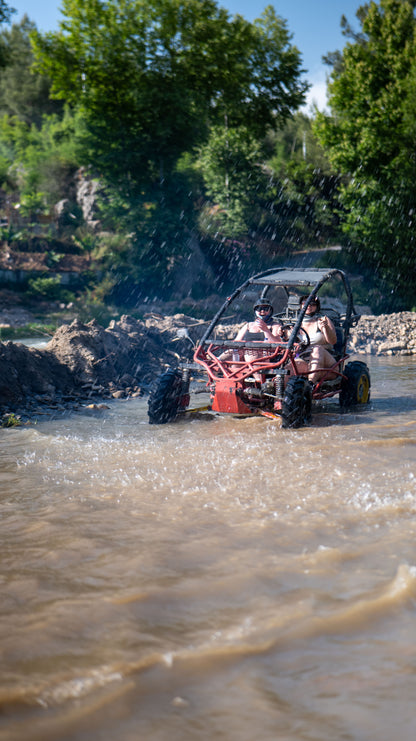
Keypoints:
pixel 363 388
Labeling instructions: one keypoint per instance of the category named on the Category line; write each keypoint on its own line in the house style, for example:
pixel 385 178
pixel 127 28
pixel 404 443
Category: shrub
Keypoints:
pixel 48 288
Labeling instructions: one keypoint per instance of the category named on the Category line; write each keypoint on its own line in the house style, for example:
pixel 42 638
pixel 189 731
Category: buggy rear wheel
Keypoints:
pixel 168 397
pixel 297 403
pixel 355 387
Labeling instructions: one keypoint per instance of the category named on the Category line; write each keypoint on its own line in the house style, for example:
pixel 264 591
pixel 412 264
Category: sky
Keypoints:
pixel 314 25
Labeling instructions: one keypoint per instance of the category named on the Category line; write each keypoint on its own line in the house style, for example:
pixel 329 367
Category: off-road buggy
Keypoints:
pixel 264 378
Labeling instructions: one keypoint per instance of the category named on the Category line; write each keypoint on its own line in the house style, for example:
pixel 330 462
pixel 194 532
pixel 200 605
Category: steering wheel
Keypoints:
pixel 302 337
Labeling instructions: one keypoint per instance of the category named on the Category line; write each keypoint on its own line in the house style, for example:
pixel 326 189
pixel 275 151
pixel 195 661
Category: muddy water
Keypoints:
pixel 215 578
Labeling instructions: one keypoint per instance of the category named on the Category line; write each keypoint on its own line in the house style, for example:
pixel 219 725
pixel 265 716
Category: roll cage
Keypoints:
pixel 280 354
pixel 312 278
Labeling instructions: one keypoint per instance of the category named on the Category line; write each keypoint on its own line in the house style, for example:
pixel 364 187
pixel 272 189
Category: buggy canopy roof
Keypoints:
pixel 295 277
pixel 291 277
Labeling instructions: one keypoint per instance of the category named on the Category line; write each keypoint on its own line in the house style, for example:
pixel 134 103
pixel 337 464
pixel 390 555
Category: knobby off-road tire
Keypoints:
pixel 297 403
pixel 168 397
pixel 355 387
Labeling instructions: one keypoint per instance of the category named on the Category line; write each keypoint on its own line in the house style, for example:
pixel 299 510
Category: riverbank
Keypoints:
pixel 87 364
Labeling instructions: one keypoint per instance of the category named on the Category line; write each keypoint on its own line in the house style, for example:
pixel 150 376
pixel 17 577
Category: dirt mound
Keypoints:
pixel 27 372
pixel 83 360
pixel 127 350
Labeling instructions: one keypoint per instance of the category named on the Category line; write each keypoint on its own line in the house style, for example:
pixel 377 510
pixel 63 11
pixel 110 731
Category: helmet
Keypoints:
pixel 263 303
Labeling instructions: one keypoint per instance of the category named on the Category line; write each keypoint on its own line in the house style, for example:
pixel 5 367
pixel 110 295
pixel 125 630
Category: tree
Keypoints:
pixel 6 13
pixel 151 77
pixel 37 165
pixel 23 92
pixel 231 167
pixel 370 137
pixel 304 188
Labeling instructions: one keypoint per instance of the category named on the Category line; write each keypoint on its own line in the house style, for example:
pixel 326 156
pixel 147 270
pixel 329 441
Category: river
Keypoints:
pixel 213 578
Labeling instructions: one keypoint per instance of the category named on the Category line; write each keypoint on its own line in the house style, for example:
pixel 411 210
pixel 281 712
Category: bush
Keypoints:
pixel 48 288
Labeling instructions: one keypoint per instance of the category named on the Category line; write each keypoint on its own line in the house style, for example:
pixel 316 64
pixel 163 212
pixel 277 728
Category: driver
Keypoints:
pixel 263 328
pixel 322 337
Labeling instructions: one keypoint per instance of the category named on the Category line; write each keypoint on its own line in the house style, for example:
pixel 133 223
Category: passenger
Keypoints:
pixel 322 337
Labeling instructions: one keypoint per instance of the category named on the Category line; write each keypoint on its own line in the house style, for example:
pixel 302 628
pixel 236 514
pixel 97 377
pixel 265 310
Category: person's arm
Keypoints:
pixel 327 329
pixel 271 336
pixel 240 334
pixel 276 332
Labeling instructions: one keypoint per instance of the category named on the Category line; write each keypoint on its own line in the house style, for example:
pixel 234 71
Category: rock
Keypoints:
pixel 384 334
pixel 86 195
pixel 390 347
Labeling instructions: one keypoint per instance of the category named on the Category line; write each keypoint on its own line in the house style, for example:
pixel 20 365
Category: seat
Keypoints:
pixel 293 307
pixel 338 349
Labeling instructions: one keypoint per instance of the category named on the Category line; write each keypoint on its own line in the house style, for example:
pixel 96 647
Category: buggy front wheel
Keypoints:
pixel 297 403
pixel 169 396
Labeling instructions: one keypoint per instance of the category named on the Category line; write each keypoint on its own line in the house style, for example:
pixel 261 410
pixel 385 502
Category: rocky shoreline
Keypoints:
pixel 87 364
pixel 386 334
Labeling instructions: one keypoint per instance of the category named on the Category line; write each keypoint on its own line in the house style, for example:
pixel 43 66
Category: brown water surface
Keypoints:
pixel 214 578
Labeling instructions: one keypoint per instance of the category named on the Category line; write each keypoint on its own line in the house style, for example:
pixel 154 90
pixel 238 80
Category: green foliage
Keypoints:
pixel 367 93
pixel 151 77
pixel 152 228
pixel 231 167
pixel 48 288
pixel 39 163
pixel 23 91
pixel 381 219
pixel 184 114
pixel 295 144
pixel 5 180
pixel 6 13
pixel 85 240
pixel 288 201
pixel 32 329
pixel 302 195
pixel 369 137
pixel 148 82
pixel 10 420
pixel 151 81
